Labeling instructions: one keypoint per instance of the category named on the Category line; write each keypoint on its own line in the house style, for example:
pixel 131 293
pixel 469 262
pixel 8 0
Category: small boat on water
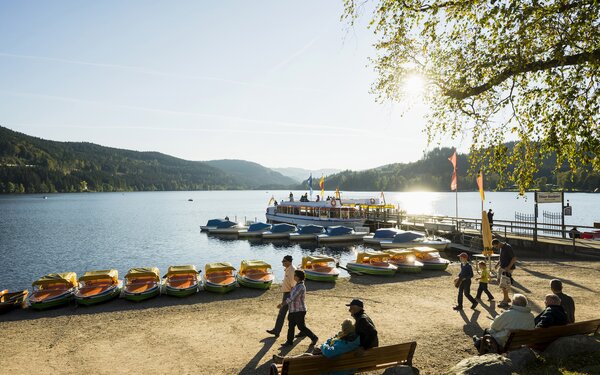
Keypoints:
pixel 373 263
pixel 181 281
pixel 307 233
pixel 216 223
pixel 227 227
pixel 219 277
pixel 255 274
pixel 255 230
pixel 319 268
pixel 53 290
pixel 141 284
pixel 341 234
pixel 280 231
pixel 430 258
pixel 9 301
pixel 409 239
pixel 405 260
pixel 383 234
pixel 98 286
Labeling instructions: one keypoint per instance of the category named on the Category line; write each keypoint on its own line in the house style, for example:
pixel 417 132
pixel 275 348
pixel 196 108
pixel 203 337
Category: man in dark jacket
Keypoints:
pixel 553 314
pixel 565 300
pixel 364 326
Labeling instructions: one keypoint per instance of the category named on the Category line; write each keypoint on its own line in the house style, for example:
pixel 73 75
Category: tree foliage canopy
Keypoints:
pixel 498 70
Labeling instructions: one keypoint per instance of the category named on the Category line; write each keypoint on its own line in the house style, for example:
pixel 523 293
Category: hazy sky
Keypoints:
pixel 281 83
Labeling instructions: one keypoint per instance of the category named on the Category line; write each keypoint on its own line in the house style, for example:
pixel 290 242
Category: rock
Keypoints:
pixel 571 345
pixel 487 364
pixel 521 358
pixel 401 370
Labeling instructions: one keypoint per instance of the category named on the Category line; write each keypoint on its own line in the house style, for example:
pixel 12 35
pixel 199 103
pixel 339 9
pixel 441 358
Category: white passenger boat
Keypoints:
pixel 341 234
pixel 408 239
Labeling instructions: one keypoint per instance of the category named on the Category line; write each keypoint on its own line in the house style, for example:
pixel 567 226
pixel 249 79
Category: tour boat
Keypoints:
pixel 280 231
pixel 341 234
pixel 372 263
pixel 181 281
pixel 9 301
pixel 430 258
pixel 98 286
pixel 227 227
pixel 219 277
pixel 141 284
pixel 319 268
pixel 255 230
pixel 52 290
pixel 409 239
pixel 307 233
pixel 405 260
pixel 383 234
pixel 255 274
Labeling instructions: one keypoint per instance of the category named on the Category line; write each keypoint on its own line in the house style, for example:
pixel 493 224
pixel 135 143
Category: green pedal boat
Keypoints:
pixel 430 257
pixel 405 260
pixel 141 284
pixel 98 286
pixel 372 263
pixel 181 281
pixel 55 289
pixel 320 268
pixel 255 274
pixel 219 277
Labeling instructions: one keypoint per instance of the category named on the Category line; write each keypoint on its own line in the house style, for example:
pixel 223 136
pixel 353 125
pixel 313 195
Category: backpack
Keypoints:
pixel 488 344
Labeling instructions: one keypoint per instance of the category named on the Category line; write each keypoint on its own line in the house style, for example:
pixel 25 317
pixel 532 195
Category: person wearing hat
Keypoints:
pixel 286 287
pixel 463 283
pixel 364 326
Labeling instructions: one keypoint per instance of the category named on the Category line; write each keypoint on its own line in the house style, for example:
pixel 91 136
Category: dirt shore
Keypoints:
pixel 214 334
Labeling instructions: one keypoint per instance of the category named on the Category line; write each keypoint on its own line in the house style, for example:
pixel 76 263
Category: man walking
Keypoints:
pixel 364 327
pixel 286 287
pixel 507 264
pixel 297 315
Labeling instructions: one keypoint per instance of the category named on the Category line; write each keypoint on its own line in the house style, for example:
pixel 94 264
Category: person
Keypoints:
pixel 297 314
pixel 519 316
pixel 464 282
pixel 226 217
pixel 574 233
pixel 490 216
pixel 344 341
pixel 553 314
pixel 507 264
pixel 291 197
pixel 318 198
pixel 286 287
pixel 565 300
pixel 483 282
pixel 364 326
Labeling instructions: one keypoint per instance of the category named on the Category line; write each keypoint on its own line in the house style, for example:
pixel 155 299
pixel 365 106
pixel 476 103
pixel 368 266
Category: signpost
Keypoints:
pixel 551 197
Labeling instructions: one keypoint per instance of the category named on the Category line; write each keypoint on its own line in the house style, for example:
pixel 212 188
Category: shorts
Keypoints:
pixel 504 280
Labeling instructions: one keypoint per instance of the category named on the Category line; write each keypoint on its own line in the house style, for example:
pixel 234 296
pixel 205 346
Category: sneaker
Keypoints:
pixel 272 332
pixel 314 341
pixel 474 305
pixel 457 308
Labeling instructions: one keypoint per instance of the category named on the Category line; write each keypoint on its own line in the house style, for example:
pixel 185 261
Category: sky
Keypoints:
pixel 280 83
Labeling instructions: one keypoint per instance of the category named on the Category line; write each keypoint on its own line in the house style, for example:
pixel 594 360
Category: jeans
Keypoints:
pixel 282 312
pixel 483 287
pixel 297 319
pixel 465 288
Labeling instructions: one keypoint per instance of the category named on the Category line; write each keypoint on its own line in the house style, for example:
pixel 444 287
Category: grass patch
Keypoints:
pixel 580 364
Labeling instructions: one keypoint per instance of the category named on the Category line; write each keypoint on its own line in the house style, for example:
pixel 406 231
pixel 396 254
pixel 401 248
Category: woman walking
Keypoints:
pixel 297 311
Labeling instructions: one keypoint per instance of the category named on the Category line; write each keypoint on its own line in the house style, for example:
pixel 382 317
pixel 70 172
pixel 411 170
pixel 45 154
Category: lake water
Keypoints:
pixel 79 232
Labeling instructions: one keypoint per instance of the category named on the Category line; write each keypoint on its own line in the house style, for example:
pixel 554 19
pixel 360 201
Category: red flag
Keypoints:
pixel 454 182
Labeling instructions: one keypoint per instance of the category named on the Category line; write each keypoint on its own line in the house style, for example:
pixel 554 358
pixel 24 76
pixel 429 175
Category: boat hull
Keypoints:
pixel 12 300
pixel 137 297
pixel 320 276
pixel 252 283
pixel 307 220
pixel 436 266
pixel 283 235
pixel 232 230
pixel 256 233
pixel 102 297
pixel 60 300
pixel 219 288
pixel 181 292
pixel 408 268
pixel 372 270
pixel 343 238
pixel 302 237
pixel 438 245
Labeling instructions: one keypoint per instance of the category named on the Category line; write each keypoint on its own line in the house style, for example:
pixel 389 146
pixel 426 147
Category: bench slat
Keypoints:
pixel 541 337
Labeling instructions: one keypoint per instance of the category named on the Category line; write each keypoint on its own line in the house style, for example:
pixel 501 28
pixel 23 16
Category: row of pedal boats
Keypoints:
pixel 180 281
pixel 386 238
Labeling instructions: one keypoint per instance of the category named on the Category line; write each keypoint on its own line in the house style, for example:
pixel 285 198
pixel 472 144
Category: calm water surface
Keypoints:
pixel 79 232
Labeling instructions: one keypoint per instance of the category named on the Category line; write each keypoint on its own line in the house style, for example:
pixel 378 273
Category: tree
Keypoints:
pixel 498 70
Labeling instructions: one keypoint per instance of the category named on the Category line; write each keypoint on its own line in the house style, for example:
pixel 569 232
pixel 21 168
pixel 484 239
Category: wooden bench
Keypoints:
pixel 540 338
pixel 372 359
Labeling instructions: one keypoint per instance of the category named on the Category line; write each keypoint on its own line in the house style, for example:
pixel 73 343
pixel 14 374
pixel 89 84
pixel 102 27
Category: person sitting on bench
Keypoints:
pixel 565 300
pixel 365 328
pixel 553 314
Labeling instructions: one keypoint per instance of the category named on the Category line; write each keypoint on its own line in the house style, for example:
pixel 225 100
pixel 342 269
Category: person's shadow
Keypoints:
pixel 252 366
pixel 471 326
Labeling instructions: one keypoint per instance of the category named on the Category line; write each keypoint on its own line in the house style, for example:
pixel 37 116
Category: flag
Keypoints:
pixel 337 193
pixel 322 186
pixel 383 198
pixel 480 185
pixel 272 200
pixel 454 182
pixel 310 185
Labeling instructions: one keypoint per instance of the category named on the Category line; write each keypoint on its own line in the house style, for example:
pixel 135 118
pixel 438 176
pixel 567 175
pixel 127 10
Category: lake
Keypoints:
pixel 79 232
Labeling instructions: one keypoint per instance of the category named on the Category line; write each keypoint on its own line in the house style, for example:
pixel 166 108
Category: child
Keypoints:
pixel 464 282
pixel 483 282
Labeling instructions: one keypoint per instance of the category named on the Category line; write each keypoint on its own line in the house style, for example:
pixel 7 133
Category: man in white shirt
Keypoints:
pixel 286 286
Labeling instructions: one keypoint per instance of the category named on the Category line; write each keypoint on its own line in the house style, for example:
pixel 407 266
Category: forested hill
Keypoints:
pixel 252 174
pixel 33 165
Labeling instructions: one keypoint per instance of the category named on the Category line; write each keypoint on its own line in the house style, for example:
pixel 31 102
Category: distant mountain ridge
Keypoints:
pixel 301 174
pixel 252 174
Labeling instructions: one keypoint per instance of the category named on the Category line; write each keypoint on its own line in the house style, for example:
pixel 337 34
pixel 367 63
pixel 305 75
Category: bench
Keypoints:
pixel 540 338
pixel 371 359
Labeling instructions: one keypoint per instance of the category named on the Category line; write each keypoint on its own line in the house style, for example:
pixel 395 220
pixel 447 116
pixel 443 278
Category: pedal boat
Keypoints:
pixel 405 260
pixel 280 231
pixel 340 234
pixel 55 289
pixel 383 234
pixel 373 263
pixel 408 239
pixel 98 286
pixel 9 301
pixel 430 258
pixel 181 281
pixel 141 284
pixel 319 268
pixel 307 233
pixel 219 277
pixel 255 274
pixel 255 230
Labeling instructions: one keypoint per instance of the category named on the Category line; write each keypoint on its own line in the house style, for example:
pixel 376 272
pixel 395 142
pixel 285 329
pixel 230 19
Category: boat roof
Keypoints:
pixel 225 224
pixel 214 222
pixel 69 278
pixel 407 237
pixel 220 266
pixel 100 275
pixel 143 271
pixel 253 264
pixel 311 229
pixel 339 230
pixel 386 233
pixel 182 270
pixel 283 227
pixel 258 226
pixel 316 259
pixel 393 252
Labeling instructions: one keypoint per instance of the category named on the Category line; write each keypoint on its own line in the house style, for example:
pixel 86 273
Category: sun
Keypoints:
pixel 414 84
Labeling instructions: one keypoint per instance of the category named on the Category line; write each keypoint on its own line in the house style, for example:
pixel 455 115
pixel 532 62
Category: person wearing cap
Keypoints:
pixel 297 314
pixel 507 264
pixel 553 314
pixel 464 282
pixel 364 326
pixel 565 300
pixel 286 287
